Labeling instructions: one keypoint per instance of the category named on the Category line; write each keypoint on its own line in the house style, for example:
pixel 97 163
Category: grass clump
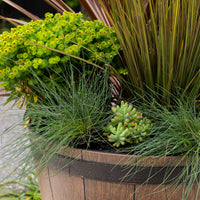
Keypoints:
pixel 160 41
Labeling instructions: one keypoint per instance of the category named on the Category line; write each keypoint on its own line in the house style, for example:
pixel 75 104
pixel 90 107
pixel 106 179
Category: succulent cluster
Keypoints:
pixel 31 48
pixel 127 126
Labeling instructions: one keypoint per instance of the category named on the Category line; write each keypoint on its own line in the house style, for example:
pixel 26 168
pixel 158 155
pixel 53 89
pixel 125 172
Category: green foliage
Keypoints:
pixel 45 46
pixel 161 45
pixel 178 129
pixel 161 48
pixel 127 126
pixel 72 3
pixel 72 114
pixel 175 132
pixel 30 190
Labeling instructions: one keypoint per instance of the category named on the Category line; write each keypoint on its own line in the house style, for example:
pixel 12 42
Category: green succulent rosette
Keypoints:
pixel 128 126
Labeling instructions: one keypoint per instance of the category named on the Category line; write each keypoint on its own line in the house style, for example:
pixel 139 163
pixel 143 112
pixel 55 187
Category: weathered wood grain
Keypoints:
pixel 99 176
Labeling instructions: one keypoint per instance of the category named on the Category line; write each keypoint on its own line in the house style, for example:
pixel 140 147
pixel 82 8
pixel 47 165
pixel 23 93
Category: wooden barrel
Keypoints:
pixel 103 176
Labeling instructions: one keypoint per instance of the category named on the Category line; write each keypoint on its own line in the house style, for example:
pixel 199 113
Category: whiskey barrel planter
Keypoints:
pixel 99 176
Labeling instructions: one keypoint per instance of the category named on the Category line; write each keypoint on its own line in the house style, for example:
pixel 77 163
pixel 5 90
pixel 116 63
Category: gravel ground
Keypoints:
pixel 8 117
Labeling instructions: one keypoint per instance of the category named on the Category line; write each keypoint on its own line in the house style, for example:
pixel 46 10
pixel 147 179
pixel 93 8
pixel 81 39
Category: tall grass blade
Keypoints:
pixel 161 45
pixel 22 10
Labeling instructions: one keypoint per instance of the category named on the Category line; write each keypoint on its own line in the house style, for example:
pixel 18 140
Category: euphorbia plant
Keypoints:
pixel 45 46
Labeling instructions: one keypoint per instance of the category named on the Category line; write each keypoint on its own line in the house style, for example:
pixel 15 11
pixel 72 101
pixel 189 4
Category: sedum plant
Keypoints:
pixel 46 46
pixel 127 126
